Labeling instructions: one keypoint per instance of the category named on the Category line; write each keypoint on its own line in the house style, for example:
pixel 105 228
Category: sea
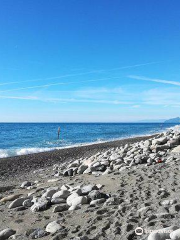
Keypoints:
pixel 26 138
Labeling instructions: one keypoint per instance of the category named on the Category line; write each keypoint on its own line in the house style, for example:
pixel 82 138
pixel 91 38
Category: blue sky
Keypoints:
pixel 89 61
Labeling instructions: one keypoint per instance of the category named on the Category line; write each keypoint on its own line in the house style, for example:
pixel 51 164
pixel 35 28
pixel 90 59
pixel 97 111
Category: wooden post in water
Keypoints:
pixel 59 132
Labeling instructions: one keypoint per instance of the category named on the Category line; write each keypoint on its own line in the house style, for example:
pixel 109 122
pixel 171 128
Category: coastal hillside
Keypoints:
pixel 173 120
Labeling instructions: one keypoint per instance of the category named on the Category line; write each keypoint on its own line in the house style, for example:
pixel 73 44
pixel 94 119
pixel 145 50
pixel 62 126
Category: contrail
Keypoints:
pixel 79 74
pixel 154 80
pixel 49 78
pixel 55 84
pixel 65 100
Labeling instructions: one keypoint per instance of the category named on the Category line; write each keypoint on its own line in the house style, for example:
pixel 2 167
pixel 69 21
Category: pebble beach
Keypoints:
pixel 125 189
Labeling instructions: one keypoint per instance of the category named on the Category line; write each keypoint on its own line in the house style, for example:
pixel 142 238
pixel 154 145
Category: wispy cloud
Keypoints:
pixel 56 84
pixel 134 66
pixel 136 106
pixel 163 97
pixel 79 74
pixel 19 98
pixel 154 80
pixel 44 79
pixel 68 100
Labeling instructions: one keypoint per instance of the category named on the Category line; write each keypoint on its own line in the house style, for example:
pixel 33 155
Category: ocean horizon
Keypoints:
pixel 26 138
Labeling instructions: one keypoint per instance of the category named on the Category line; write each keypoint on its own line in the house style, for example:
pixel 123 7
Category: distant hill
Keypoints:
pixel 153 121
pixel 173 120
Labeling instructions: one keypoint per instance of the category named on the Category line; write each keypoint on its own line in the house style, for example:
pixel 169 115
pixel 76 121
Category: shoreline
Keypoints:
pixel 25 164
pixel 21 151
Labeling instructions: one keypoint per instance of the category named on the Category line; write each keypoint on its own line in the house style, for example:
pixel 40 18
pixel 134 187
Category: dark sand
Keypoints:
pixel 14 167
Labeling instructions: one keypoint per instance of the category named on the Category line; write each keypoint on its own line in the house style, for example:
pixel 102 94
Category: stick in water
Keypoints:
pixel 59 132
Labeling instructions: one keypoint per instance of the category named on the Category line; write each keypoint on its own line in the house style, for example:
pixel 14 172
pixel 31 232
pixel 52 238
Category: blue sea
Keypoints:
pixel 26 138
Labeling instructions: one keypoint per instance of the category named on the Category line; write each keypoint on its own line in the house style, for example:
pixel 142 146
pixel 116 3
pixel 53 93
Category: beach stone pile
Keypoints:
pixel 152 151
pixel 62 198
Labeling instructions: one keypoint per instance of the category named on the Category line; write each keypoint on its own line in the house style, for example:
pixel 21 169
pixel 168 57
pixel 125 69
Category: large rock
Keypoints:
pixel 6 233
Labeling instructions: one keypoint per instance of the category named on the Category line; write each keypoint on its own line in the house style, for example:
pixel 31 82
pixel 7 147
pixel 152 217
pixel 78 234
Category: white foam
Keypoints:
pixel 3 153
pixel 25 151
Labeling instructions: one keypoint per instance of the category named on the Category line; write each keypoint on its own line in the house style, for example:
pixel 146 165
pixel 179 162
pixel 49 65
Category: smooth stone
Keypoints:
pixel 50 192
pixel 53 180
pixel 88 188
pixel 27 203
pixel 176 150
pixel 112 201
pixel 57 200
pixel 17 203
pixel 66 187
pixel 61 194
pixel 175 235
pixel 81 169
pixel 10 198
pixel 87 171
pixel 60 208
pixel 41 205
pixel 74 201
pixel 53 227
pixel 168 202
pixel 38 233
pixel 74 207
pixel 26 184
pixel 95 194
pixel 6 233
pixel 71 197
pixel 159 141
pixel 114 157
pixel 97 202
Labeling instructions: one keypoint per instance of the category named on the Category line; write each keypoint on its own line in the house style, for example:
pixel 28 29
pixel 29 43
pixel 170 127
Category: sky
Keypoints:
pixel 89 61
